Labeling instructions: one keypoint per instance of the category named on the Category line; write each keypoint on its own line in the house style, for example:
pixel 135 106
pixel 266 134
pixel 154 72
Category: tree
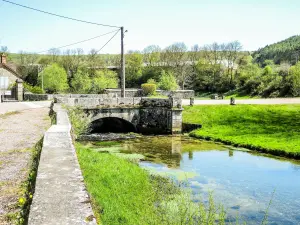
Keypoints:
pixel 295 79
pixel 54 54
pixel 3 49
pixel 151 54
pixel 54 79
pixel 27 67
pixel 175 57
pixel 104 79
pixel 81 82
pixel 134 69
pixel 71 60
pixel 167 81
pixel 231 51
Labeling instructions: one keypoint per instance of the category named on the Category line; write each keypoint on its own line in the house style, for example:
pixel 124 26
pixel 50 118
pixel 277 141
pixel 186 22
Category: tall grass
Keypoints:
pixel 124 193
pixel 269 128
pixel 79 120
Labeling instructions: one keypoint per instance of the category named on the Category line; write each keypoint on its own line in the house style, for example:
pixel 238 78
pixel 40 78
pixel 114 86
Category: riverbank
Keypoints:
pixel 124 193
pixel 272 129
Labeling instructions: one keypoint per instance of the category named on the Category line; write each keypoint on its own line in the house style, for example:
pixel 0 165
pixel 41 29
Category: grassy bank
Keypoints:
pixel 124 193
pixel 272 129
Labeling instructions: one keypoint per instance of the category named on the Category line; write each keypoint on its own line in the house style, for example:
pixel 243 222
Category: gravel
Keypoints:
pixel 19 132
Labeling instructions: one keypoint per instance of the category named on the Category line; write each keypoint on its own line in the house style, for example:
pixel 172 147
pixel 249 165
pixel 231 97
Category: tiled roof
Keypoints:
pixel 10 69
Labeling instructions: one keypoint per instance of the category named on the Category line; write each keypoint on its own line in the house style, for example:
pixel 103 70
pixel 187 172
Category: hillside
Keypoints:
pixel 287 50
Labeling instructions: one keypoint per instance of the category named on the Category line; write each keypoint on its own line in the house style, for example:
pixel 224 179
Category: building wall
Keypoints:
pixel 11 77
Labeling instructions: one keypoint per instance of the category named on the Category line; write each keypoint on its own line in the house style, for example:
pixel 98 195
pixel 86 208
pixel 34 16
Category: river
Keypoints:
pixel 244 182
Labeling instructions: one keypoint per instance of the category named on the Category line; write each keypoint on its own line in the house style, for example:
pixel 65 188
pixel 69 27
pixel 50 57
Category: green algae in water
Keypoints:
pixel 106 143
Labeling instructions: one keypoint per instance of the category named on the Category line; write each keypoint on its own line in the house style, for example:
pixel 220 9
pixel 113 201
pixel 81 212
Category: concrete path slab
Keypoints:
pixel 60 196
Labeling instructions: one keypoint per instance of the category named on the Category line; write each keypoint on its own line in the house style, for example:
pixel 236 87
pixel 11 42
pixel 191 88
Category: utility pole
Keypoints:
pixel 122 64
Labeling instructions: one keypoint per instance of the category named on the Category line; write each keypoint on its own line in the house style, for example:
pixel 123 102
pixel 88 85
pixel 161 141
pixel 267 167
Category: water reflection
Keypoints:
pixel 242 181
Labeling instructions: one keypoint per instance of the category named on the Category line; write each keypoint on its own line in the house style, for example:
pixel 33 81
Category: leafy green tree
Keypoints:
pixel 294 75
pixel 134 69
pixel 54 79
pixel 104 79
pixel 81 82
pixel 167 81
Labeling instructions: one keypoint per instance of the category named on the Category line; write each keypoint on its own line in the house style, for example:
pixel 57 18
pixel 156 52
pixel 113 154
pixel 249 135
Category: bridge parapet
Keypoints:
pixel 146 114
pixel 121 102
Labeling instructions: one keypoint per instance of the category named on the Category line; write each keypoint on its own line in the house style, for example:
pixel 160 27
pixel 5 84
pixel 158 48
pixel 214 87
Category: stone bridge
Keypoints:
pixel 141 115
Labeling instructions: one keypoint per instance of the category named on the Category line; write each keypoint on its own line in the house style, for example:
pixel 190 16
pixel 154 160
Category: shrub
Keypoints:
pixel 151 81
pixel 149 89
pixel 167 81
pixel 33 89
pixel 54 78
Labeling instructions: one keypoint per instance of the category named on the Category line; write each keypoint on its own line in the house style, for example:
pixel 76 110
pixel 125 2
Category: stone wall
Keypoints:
pixel 37 97
pixel 184 94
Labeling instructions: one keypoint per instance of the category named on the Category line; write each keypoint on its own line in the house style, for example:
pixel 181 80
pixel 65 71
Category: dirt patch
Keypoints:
pixel 19 134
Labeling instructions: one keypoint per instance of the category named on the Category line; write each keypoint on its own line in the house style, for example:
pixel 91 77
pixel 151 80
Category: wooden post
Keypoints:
pixel 122 64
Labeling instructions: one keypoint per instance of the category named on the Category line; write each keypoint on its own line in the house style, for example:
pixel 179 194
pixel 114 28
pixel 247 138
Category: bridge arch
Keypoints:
pixel 112 125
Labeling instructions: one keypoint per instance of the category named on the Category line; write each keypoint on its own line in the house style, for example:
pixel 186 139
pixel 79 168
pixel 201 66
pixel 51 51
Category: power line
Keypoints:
pixel 79 42
pixel 65 17
pixel 107 41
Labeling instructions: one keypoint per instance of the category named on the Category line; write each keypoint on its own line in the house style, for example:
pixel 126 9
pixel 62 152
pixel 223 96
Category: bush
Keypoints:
pixel 167 81
pixel 54 78
pixel 149 89
pixel 33 89
pixel 151 81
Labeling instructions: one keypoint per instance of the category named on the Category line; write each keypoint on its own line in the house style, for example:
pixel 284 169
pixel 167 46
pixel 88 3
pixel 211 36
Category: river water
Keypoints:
pixel 244 182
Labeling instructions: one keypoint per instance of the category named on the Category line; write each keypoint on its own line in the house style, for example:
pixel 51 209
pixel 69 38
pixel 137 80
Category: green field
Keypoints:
pixel 274 129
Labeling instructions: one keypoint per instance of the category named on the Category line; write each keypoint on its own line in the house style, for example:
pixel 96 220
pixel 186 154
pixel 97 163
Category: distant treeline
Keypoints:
pixel 213 68
pixel 286 51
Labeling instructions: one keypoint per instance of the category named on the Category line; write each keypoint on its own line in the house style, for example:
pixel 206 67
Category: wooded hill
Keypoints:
pixel 287 51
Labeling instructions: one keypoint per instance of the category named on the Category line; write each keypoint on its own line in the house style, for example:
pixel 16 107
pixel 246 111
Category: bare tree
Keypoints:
pixel 54 53
pixel 71 60
pixel 151 54
pixel 231 53
pixel 175 57
pixel 3 49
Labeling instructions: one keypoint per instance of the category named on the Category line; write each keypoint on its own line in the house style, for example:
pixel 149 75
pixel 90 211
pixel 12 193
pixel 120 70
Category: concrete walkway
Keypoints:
pixel 60 196
pixel 267 101
pixel 6 107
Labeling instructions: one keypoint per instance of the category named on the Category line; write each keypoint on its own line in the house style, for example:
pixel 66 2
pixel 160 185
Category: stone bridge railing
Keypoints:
pixel 120 102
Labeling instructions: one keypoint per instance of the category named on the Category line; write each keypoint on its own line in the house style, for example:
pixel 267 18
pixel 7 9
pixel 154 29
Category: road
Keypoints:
pixel 267 101
pixel 19 106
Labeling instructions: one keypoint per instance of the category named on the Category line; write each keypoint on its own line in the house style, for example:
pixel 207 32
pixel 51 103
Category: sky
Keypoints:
pixel 255 23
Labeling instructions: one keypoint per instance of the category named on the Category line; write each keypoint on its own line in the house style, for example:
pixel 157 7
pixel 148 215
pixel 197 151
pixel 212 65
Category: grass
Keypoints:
pixel 124 193
pixel 8 114
pixel 272 129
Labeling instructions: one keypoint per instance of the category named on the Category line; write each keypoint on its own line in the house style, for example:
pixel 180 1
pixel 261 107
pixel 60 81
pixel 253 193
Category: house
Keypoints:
pixel 8 77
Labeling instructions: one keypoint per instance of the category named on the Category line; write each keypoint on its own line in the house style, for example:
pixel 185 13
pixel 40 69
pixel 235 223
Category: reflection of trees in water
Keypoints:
pixel 191 155
pixel 165 150
pixel 296 167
